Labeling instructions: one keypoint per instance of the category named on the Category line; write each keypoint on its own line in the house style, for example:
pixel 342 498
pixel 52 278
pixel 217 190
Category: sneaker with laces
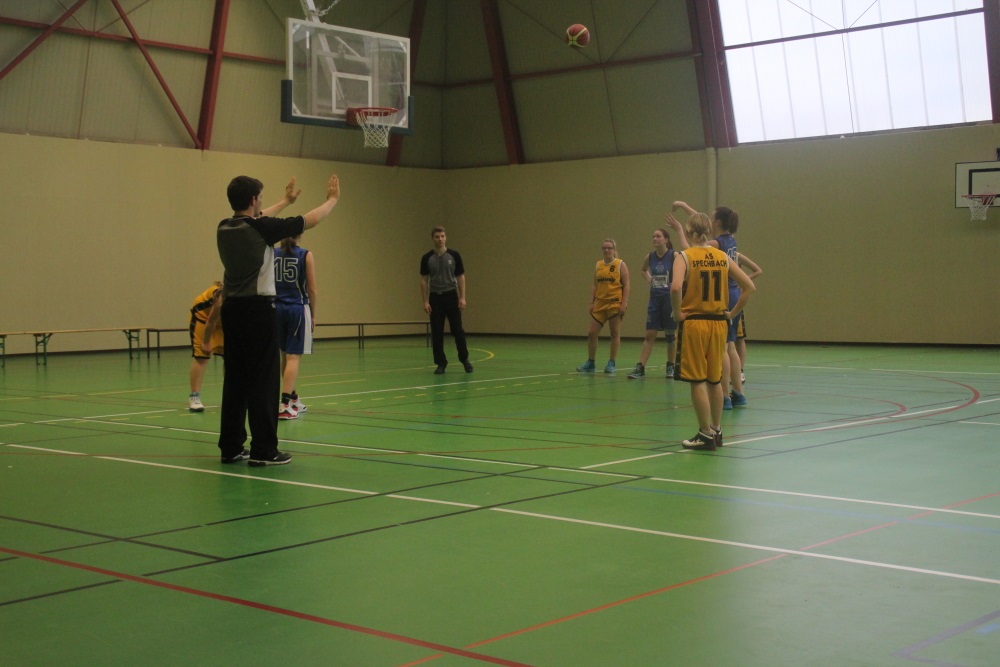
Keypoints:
pixel 468 367
pixel 276 459
pixel 587 367
pixel 286 411
pixel 236 458
pixel 727 403
pixel 610 367
pixel 671 369
pixel 717 434
pixel 703 442
pixel 738 400
pixel 194 403
pixel 638 373
pixel 299 406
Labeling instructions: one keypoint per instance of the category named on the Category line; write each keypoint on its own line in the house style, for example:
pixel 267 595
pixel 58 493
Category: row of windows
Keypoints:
pixel 859 79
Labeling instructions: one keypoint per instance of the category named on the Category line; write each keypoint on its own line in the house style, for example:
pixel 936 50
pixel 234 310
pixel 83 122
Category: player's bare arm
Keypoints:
pixel 291 194
pixel 626 286
pixel 311 286
pixel 675 225
pixel 677 287
pixel 746 285
pixel 316 215
pixel 743 260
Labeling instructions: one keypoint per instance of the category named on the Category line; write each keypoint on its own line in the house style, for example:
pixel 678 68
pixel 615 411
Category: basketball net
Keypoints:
pixel 375 122
pixel 980 204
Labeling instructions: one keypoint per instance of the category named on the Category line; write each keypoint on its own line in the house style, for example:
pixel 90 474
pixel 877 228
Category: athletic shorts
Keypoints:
pixel 294 328
pixel 659 314
pixel 741 328
pixel 197 332
pixel 605 310
pixel 700 347
pixel 734 296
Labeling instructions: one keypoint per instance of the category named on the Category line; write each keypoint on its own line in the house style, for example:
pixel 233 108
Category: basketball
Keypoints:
pixel 577 35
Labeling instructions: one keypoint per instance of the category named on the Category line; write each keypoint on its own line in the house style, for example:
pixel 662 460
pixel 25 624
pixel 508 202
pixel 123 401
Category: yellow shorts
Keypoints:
pixel 197 331
pixel 605 310
pixel 700 348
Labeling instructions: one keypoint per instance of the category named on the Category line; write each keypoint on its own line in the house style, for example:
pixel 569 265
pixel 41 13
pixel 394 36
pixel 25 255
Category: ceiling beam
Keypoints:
pixel 716 78
pixel 416 32
pixel 991 21
pixel 213 71
pixel 41 38
pixel 156 73
pixel 502 82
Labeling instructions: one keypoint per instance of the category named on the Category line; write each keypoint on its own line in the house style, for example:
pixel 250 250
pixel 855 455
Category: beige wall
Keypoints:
pixel 858 237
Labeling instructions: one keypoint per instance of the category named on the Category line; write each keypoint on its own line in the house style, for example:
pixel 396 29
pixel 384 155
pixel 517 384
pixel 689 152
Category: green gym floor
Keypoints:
pixel 524 514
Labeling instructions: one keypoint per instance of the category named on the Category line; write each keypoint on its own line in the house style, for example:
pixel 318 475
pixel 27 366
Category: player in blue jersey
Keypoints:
pixel 295 301
pixel 657 269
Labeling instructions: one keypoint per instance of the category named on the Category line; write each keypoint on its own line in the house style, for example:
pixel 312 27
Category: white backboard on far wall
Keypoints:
pixel 976 178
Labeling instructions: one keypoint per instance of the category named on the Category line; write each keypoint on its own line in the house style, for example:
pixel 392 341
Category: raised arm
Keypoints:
pixel 314 216
pixel 291 194
pixel 675 224
pixel 684 205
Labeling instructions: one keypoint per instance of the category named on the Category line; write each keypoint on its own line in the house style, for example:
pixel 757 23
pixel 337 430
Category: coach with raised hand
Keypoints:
pixel 251 387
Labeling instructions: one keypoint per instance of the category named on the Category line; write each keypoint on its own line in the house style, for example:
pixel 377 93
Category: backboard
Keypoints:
pixel 331 69
pixel 976 178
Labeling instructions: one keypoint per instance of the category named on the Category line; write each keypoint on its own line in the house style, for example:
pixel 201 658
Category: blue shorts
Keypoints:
pixel 659 314
pixel 734 324
pixel 294 328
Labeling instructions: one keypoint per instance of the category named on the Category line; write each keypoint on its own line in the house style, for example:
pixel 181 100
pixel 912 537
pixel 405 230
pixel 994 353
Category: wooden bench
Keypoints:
pixel 42 341
pixel 155 331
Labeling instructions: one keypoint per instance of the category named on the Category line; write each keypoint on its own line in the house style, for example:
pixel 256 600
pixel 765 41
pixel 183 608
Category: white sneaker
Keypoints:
pixel 194 403
pixel 286 411
pixel 299 405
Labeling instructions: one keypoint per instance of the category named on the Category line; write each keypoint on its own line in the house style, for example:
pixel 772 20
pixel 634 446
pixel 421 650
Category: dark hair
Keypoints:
pixel 241 192
pixel 728 219
pixel 287 245
pixel 666 235
pixel 437 229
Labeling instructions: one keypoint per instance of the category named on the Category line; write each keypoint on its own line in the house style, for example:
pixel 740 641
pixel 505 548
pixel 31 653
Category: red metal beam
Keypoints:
pixel 699 73
pixel 213 70
pixel 156 73
pixel 991 24
pixel 416 32
pixel 41 38
pixel 716 81
pixel 502 82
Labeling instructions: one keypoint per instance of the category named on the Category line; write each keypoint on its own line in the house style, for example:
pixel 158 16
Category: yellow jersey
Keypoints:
pixel 608 281
pixel 706 284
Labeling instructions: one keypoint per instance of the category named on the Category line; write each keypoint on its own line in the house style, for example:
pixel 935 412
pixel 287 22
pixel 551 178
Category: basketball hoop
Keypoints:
pixel 980 204
pixel 376 123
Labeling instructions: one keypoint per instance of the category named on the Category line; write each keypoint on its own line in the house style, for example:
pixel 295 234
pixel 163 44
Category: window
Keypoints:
pixel 806 68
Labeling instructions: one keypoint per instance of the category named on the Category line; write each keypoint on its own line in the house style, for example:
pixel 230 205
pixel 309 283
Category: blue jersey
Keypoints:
pixel 727 244
pixel 661 270
pixel 290 276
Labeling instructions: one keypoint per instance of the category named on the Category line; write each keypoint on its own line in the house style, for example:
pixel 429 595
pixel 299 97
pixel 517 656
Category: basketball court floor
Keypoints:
pixel 524 514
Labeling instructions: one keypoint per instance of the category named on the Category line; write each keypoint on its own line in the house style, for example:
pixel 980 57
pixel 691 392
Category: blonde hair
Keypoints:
pixel 699 227
pixel 613 245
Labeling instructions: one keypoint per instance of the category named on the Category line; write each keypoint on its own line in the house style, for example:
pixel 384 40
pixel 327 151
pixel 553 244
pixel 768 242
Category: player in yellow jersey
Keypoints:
pixel 608 302
pixel 699 296
pixel 205 307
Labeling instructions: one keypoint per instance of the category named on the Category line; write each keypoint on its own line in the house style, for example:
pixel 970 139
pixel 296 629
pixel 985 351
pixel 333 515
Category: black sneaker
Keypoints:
pixel 236 458
pixel 468 366
pixel 277 459
pixel 440 369
pixel 702 442
pixel 717 433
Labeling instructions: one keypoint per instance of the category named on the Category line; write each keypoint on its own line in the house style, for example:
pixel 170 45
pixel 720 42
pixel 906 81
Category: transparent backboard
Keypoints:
pixel 331 69
pixel 976 178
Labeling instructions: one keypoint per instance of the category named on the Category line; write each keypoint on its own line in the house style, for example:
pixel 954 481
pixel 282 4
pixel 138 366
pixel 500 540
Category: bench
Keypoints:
pixel 155 331
pixel 42 341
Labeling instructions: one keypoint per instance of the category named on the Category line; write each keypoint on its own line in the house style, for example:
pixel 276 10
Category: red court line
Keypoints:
pixel 696 580
pixel 269 608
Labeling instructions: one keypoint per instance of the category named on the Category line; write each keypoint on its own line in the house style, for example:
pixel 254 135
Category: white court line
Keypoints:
pixel 826 368
pixel 122 414
pixel 594 472
pixel 435 386
pixel 44 449
pixel 12 424
pixel 931 372
pixel 903 415
pixel 597 524
pixel 639 458
pixel 988 400
pixel 758 547
pixel 982 423
pixel 461 458
pixel 822 497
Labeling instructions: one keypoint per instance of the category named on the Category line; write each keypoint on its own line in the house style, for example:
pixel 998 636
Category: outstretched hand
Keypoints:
pixel 291 194
pixel 672 221
pixel 333 188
